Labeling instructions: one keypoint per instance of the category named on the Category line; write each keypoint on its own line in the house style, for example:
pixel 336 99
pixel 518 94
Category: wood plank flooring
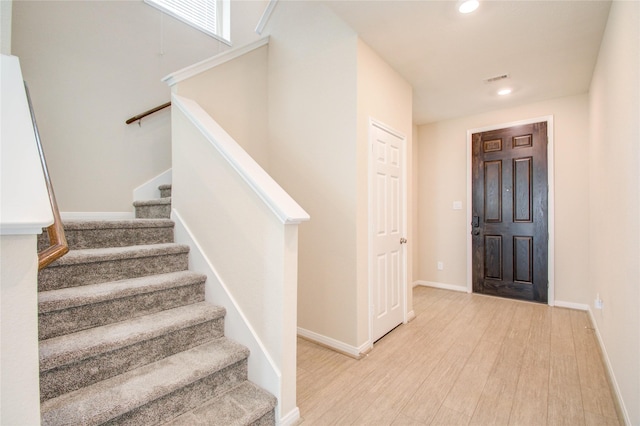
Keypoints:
pixel 465 359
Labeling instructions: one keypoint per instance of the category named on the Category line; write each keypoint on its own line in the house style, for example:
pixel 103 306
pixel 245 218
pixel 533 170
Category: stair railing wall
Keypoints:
pixel 245 229
pixel 24 212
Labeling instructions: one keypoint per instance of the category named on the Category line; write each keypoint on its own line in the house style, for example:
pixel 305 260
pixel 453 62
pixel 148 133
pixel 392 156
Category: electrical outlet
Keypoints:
pixel 440 265
pixel 598 303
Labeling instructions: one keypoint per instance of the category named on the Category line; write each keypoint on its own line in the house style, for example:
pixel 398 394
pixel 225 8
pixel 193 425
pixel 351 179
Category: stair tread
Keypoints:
pixel 165 186
pixel 152 202
pixel 113 397
pixel 117 224
pixel 117 253
pixel 64 298
pixel 242 405
pixel 86 343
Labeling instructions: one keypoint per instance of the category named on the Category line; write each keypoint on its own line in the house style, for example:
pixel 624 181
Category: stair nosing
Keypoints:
pixel 124 391
pixel 103 254
pixel 84 225
pixel 71 297
pixel 153 202
pixel 84 344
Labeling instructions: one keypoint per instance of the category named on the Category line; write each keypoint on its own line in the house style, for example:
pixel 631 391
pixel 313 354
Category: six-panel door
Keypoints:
pixel 510 223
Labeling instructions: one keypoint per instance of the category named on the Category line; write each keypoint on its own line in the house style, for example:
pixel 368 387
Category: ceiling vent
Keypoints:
pixel 496 78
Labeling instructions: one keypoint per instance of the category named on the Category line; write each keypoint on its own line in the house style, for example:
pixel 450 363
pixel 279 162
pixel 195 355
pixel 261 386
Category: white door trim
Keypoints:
pixel 551 201
pixel 375 123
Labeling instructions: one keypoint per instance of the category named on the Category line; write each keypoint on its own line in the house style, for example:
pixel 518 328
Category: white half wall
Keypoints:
pixel 244 229
pixel 19 361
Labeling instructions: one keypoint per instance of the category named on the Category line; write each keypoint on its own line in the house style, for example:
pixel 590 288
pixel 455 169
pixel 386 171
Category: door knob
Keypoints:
pixel 403 240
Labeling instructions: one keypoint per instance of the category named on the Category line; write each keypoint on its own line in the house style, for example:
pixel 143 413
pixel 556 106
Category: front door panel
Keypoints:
pixel 510 223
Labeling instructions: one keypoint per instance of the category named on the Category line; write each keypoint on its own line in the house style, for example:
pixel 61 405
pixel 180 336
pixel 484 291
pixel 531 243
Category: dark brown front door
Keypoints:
pixel 509 226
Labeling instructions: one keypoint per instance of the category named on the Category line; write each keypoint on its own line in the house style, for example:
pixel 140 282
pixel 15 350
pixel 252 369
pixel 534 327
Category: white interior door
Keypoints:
pixel 387 238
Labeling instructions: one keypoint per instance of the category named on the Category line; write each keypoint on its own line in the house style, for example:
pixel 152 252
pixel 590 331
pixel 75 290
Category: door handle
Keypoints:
pixel 475 223
pixel 403 240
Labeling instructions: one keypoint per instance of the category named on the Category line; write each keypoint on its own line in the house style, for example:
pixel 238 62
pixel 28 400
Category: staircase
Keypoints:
pixel 127 338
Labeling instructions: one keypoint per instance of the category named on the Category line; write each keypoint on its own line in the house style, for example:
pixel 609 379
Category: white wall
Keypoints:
pixel 443 179
pixel 614 179
pixel 312 155
pixel 90 66
pixel 236 97
pixel 324 85
pixel 5 26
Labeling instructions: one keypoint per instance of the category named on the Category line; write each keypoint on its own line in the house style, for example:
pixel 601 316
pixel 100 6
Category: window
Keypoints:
pixel 209 16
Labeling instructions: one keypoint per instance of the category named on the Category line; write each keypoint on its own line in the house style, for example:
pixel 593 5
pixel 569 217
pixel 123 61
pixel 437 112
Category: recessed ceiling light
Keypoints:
pixel 504 92
pixel 468 6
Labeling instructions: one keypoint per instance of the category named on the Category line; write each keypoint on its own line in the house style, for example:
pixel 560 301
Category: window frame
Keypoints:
pixel 223 19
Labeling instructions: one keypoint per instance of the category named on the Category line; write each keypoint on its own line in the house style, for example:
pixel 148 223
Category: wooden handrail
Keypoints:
pixel 151 111
pixel 58 246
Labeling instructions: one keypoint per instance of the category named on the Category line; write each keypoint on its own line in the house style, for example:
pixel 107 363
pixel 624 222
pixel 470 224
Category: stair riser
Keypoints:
pixel 62 276
pixel 268 419
pixel 165 192
pixel 73 376
pixel 186 398
pixel 245 405
pixel 160 211
pixel 57 323
pixel 99 238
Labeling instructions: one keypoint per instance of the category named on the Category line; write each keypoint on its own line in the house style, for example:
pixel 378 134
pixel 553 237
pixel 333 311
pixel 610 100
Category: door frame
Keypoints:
pixel 370 229
pixel 551 199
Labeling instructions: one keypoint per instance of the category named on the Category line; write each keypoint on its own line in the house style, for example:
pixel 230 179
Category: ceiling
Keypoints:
pixel 548 49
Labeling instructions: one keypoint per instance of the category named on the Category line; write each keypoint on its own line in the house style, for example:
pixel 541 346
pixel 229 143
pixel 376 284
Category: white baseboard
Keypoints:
pixel 603 350
pixel 440 285
pixel 336 345
pixel 97 215
pixel 291 418
pixel 607 362
pixel 571 305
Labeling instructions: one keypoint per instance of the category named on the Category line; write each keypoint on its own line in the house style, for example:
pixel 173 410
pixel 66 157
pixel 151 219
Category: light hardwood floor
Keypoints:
pixel 465 359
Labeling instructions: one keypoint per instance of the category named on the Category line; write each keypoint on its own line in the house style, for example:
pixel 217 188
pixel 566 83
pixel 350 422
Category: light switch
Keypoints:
pixel 457 205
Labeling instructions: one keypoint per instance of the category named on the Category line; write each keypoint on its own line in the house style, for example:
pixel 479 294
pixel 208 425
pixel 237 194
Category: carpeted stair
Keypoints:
pixel 127 338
